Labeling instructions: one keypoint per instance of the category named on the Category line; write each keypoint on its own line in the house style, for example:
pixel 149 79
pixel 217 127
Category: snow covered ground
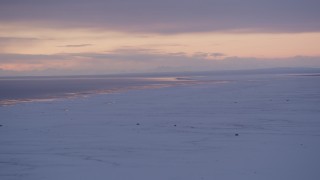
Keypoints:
pixel 247 128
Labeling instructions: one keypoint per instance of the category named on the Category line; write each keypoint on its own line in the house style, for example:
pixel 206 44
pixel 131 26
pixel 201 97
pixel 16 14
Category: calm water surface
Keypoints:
pixel 24 89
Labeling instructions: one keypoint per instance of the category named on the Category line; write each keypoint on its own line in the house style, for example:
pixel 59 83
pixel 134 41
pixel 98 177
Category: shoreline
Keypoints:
pixel 165 80
pixel 177 82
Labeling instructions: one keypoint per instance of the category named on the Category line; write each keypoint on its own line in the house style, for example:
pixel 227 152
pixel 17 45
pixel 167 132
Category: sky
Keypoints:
pixel 65 37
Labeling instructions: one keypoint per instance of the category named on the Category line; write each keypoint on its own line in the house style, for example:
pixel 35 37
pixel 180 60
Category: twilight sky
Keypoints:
pixel 38 37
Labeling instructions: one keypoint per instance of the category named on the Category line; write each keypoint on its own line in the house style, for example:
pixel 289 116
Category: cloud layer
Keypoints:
pixel 136 60
pixel 58 37
pixel 168 16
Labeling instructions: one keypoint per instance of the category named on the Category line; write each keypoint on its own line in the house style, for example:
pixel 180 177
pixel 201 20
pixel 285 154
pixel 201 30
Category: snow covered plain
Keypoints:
pixel 247 128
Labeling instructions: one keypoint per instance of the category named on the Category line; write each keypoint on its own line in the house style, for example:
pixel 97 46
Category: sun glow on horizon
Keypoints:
pixel 54 41
pixel 73 44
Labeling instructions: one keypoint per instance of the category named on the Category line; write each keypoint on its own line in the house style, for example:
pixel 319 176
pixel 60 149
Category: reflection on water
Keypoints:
pixel 30 89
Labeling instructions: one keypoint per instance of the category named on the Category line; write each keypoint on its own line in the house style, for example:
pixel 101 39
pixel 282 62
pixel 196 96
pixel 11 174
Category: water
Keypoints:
pixel 25 89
